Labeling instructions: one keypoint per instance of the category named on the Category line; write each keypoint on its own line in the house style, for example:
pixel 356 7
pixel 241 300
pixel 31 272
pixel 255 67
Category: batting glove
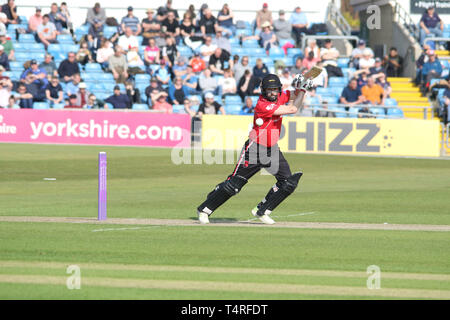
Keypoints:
pixel 306 85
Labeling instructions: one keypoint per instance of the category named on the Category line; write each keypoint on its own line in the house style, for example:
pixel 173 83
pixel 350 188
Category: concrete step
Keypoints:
pixel 398 79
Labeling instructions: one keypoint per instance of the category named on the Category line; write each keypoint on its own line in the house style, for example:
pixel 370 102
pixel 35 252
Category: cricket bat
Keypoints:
pixel 313 73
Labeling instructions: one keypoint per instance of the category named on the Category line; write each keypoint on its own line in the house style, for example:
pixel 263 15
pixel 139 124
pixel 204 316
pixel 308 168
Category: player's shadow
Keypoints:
pixel 218 220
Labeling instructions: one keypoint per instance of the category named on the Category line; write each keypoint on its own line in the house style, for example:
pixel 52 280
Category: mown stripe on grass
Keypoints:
pixel 169 268
pixel 218 223
pixel 277 288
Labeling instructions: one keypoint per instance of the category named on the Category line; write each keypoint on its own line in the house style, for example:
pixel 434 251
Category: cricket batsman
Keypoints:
pixel 261 150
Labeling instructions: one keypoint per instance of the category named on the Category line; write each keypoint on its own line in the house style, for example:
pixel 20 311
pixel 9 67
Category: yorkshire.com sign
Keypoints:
pixel 419 6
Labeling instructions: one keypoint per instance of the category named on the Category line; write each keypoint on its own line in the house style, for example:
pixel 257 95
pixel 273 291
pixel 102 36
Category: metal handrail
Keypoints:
pixel 437 39
pixel 305 38
pixel 403 17
pixel 333 14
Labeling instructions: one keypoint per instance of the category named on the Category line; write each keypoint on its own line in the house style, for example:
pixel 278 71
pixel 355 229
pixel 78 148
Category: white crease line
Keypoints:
pixel 291 215
pixel 121 229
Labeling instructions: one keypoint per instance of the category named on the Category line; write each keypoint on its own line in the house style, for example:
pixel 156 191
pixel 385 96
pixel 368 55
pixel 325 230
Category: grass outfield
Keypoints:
pixel 203 262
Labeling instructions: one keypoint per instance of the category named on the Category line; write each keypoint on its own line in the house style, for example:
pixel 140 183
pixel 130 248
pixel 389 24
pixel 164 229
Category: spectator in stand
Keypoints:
pixel 190 80
pixel 150 27
pixel 363 75
pixel 104 53
pixel 37 75
pixel 208 24
pixel 46 32
pixel 381 80
pixel 163 73
pixel 95 33
pixel 188 107
pixel 357 53
pixel 431 69
pixel 134 61
pixel 209 106
pixel 227 83
pixel 225 21
pixel 162 105
pixel 187 32
pixel 35 20
pixel 57 18
pixel 299 23
pixel 240 67
pixel 446 106
pixel 286 80
pixel 266 37
pixel 366 61
pixel 248 106
pixel 68 67
pixel 117 64
pixel 25 98
pixel 84 55
pixel 197 63
pixel 309 61
pixel 431 23
pixel 132 22
pixel 5 92
pixel 248 85
pixel 222 42
pixel 312 47
pixel 49 66
pixel 393 63
pixel 263 16
pixel 220 61
pixel 54 91
pixel 94 103
pixel 12 102
pixel 128 40
pixel 373 93
pixel 119 100
pixel 322 79
pixel 207 49
pixel 36 87
pixel 420 62
pixel 3 22
pixel 209 84
pixel 329 56
pixel 282 27
pixel 260 69
pixel 64 10
pixel 171 26
pixel 378 69
pixel 72 103
pixel 351 95
pixel 169 51
pixel 10 10
pixel 7 46
pixel 153 91
pixel 325 113
pixel 97 12
pixel 82 95
pixel 133 93
pixel 177 91
pixel 298 66
pixel 164 11
pixel 72 87
pixel 151 54
pixel 180 68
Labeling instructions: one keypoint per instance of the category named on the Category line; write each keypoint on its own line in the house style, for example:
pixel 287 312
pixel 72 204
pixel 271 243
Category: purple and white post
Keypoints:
pixel 102 186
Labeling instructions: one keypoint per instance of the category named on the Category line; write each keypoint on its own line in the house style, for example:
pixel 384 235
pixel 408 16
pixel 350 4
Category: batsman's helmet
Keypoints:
pixel 270 81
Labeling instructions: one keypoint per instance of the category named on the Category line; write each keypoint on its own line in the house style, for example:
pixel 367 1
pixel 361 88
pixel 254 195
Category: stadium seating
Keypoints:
pixel 178 108
pixel 41 105
pixel 139 106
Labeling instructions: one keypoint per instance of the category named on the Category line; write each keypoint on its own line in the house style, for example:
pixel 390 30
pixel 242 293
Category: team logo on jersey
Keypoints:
pixel 271 106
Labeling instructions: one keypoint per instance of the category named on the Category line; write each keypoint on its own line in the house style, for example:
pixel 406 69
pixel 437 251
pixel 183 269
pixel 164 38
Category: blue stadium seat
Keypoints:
pixel 26 38
pixel 284 41
pixel 108 86
pixel 64 38
pixel 337 81
pixel 445 64
pixel 244 32
pixel 178 108
pixel 233 99
pixel 92 67
pixel 144 78
pixel 22 56
pixel 238 50
pixel 234 40
pixel 251 43
pixel 185 51
pixel 390 102
pixel 395 112
pixel 322 90
pixel 41 105
pixel 105 77
pixel 353 114
pixel 15 65
pixel 140 106
pixel 337 90
pixel 66 48
pixel 343 62
pixel 15 75
pixel 34 47
pixel 275 53
pixel 58 106
pixel 339 111
pixel 295 52
pixel 378 111
pixel 233 109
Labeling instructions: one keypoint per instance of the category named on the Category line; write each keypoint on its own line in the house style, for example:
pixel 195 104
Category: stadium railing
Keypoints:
pixel 305 38
pixel 335 15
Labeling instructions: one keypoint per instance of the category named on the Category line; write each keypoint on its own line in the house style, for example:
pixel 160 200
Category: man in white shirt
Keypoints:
pixel 207 49
pixel 128 40
pixel 329 56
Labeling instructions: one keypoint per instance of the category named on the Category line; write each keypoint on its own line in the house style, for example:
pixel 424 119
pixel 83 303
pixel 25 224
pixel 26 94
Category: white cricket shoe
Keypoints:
pixel 203 217
pixel 265 217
